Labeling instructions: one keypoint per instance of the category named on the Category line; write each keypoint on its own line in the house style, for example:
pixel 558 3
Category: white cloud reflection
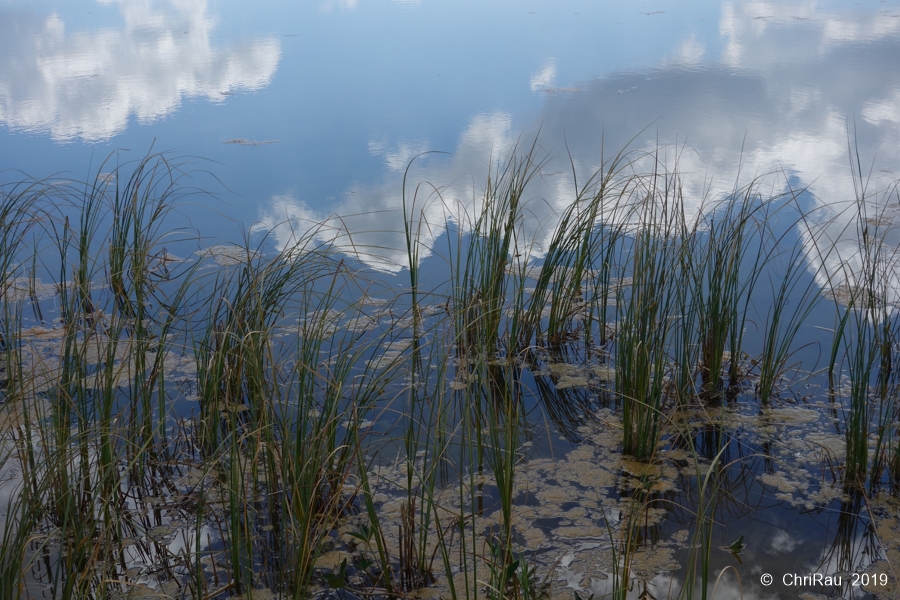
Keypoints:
pixel 88 84
pixel 784 98
pixel 804 30
pixel 369 222
pixel 544 78
pixel 783 542
pixel 330 5
pixel 691 52
pixel 398 158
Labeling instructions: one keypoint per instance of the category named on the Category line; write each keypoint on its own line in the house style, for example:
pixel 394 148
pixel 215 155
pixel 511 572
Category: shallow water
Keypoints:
pixel 348 92
pixel 310 114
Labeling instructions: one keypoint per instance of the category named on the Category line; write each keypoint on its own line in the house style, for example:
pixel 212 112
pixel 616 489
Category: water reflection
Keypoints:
pixel 849 548
pixel 791 87
pixel 87 84
pixel 442 191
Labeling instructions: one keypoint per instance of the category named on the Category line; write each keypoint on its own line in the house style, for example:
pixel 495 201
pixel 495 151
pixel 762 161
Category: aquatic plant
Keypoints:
pixel 643 333
pixel 865 334
pixel 724 284
pixel 263 409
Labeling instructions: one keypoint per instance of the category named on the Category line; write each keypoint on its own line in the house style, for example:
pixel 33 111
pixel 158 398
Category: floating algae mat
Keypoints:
pixel 575 515
pixel 592 516
pixel 654 404
pixel 631 332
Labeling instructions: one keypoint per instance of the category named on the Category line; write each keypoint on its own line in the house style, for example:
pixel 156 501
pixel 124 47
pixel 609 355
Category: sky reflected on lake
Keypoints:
pixel 353 91
pixel 86 84
pixel 793 110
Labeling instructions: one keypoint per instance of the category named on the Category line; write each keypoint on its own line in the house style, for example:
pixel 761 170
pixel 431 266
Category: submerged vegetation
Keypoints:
pixel 254 424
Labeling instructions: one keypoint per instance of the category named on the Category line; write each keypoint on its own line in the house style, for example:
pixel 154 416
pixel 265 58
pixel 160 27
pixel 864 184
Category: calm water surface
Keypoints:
pixel 310 113
pixel 347 92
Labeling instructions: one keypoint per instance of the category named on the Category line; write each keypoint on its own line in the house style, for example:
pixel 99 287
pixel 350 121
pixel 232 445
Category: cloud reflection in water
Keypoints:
pixel 87 84
pixel 791 88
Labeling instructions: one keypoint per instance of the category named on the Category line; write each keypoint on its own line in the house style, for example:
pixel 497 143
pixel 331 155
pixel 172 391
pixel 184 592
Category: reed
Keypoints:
pixel 709 486
pixel 645 328
pixel 724 283
pixel 17 217
pixel 868 331
pixel 792 304
pixel 76 457
pixel 425 420
pixel 648 302
pixel 863 289
pixel 582 251
pixel 487 284
pixel 481 287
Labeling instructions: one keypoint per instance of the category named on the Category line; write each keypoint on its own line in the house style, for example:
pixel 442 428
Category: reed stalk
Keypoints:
pixel 288 386
pixel 644 331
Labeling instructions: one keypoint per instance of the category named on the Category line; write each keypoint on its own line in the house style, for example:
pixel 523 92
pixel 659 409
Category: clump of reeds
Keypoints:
pixel 644 332
pixel 724 283
pixel 279 454
pixel 78 442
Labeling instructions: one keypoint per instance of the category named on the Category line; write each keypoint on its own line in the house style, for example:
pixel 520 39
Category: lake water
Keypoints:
pixel 311 114
pixel 345 93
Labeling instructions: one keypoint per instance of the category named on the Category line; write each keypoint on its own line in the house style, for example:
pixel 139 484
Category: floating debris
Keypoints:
pixel 20 289
pixel 228 255
pixel 243 142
